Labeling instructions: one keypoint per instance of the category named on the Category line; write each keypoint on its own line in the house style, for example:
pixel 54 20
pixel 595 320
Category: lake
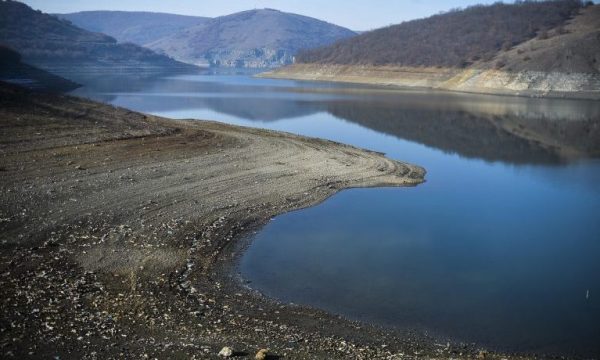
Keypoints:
pixel 501 245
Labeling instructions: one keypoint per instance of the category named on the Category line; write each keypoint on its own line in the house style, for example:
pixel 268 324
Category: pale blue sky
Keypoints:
pixel 354 14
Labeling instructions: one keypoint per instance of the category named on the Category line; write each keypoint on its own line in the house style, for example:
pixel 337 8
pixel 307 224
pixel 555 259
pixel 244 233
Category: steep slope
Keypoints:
pixel 254 38
pixel 132 26
pixel 454 39
pixel 58 46
pixel 557 62
pixel 13 70
pixel 572 47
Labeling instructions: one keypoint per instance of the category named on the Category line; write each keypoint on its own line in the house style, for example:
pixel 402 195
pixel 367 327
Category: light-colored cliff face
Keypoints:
pixel 377 75
pixel 264 57
pixel 526 82
pixel 490 81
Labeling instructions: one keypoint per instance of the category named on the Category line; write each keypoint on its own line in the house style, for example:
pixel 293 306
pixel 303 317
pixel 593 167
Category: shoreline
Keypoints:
pixel 468 81
pixel 121 233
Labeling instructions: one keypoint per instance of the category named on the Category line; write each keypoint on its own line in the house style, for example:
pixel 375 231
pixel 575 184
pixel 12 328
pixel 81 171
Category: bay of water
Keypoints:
pixel 501 245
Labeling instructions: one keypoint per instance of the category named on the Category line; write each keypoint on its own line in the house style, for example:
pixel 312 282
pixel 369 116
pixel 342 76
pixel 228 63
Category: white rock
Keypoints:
pixel 226 352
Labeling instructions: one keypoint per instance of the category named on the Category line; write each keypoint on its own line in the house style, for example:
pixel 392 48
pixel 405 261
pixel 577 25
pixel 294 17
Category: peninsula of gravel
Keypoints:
pixel 120 234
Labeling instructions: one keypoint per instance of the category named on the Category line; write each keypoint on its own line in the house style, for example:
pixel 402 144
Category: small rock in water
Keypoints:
pixel 261 354
pixel 226 352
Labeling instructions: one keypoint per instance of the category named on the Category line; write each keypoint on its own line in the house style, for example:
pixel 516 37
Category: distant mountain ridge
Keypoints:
pixel 138 27
pixel 253 38
pixel 58 46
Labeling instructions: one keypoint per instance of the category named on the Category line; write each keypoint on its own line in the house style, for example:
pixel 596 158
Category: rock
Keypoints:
pixel 226 352
pixel 482 355
pixel 261 354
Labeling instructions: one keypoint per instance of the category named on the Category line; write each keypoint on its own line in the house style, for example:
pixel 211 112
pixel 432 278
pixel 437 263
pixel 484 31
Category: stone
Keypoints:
pixel 226 352
pixel 261 354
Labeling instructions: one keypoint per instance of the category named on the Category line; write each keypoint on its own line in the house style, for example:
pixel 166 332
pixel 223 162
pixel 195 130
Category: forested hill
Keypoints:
pixel 454 39
pixel 44 40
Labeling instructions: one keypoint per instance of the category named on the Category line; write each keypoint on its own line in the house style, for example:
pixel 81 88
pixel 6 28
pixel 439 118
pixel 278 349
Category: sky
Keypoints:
pixel 354 14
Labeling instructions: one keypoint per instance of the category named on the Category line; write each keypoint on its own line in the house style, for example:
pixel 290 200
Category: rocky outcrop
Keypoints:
pixel 527 82
pixel 491 81
pixel 250 58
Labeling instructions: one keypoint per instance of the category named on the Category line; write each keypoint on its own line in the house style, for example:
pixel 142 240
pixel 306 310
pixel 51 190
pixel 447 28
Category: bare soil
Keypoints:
pixel 119 233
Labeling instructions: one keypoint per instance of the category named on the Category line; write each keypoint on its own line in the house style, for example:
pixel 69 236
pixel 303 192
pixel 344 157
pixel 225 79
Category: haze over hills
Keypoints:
pixel 254 38
pixel 548 48
pixel 58 46
pixel 137 27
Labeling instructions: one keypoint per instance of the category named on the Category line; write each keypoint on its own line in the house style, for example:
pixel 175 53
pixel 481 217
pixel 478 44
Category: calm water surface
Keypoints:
pixel 500 246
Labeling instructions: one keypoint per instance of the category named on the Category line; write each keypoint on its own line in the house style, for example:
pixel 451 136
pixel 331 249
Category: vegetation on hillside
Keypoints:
pixel 572 48
pixel 457 38
pixel 41 38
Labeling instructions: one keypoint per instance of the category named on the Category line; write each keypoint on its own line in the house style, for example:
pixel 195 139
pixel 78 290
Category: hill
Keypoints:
pixel 132 26
pixel 569 48
pixel 554 52
pixel 454 39
pixel 58 46
pixel 14 71
pixel 254 38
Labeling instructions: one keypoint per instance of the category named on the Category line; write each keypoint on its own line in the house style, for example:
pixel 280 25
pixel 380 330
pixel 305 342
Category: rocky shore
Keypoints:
pixel 119 234
pixel 479 81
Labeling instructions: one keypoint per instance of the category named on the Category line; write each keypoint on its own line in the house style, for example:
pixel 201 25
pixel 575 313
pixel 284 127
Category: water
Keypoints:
pixel 500 246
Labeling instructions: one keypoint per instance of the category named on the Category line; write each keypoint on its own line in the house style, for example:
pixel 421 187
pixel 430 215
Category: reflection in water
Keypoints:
pixel 493 128
pixel 507 137
pixel 500 251
pixel 504 264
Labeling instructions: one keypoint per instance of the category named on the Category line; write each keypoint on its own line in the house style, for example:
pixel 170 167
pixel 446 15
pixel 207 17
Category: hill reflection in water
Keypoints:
pixel 493 128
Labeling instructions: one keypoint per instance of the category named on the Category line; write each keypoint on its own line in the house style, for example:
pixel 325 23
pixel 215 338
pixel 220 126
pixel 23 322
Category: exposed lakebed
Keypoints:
pixel 499 247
